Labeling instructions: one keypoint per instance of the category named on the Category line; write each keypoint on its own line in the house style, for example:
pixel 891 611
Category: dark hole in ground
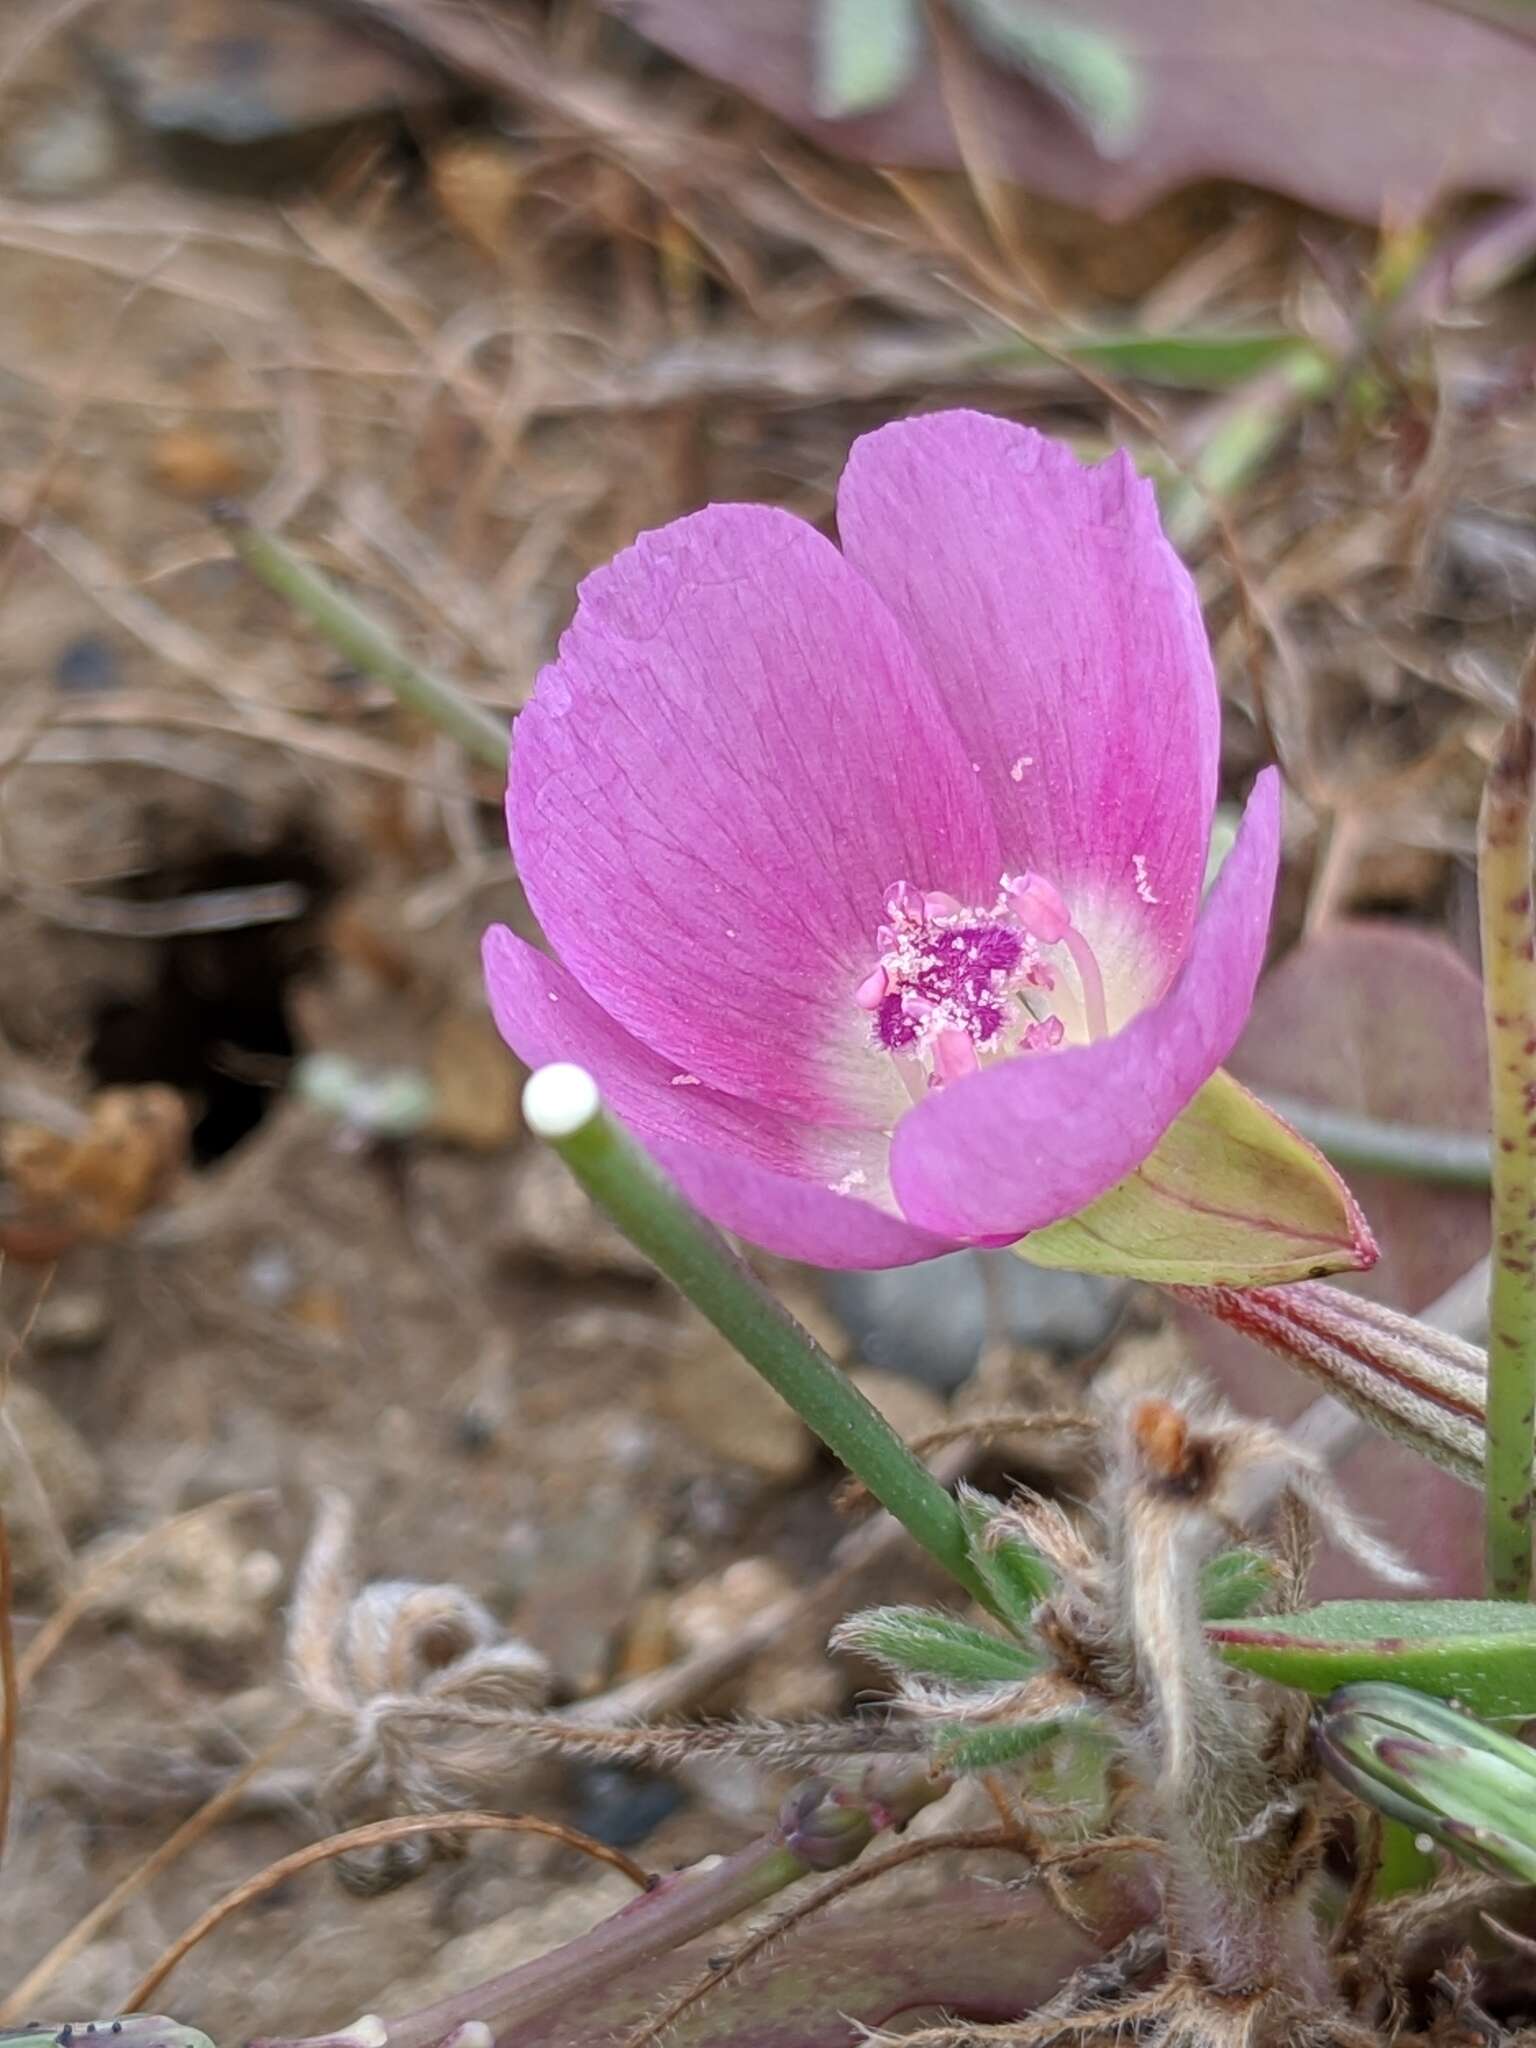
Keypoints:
pixel 215 1024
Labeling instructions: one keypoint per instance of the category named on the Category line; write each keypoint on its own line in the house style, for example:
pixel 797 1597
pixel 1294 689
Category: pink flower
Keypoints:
pixel 874 875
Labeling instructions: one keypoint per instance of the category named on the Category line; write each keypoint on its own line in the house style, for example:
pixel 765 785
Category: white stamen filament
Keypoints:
pixel 1095 1009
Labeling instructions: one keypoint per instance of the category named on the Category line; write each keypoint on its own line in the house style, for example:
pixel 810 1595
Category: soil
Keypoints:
pixel 459 351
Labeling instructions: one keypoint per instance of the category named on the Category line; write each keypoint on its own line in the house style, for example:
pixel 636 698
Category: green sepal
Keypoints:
pixel 1229 1197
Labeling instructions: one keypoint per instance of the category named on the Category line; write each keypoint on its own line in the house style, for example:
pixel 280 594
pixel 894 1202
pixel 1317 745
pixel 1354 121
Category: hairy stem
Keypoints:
pixel 1404 1377
pixel 365 643
pixel 1509 985
pixel 819 1829
pixel 697 1260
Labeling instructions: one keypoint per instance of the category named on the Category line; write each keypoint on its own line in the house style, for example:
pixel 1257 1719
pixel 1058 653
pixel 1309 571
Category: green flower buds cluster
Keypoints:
pixel 1437 1770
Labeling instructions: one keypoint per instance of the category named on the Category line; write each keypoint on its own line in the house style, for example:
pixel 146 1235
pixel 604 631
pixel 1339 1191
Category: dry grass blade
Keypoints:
pixel 371 1836
pixel 49 18
pixel 10 1682
pixel 24 1997
pixel 256 722
pixel 24 1334
pixel 10 1693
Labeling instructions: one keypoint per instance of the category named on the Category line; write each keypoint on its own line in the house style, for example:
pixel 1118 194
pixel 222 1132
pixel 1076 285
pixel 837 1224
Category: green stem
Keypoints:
pixel 697 1260
pixel 1509 996
pixel 1368 1144
pixel 365 643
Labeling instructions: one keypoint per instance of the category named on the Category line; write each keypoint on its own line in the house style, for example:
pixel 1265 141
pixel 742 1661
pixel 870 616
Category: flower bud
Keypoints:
pixel 1438 1771
pixel 826 1826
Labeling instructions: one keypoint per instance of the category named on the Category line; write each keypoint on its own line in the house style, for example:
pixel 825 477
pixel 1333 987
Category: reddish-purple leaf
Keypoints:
pixel 1377 104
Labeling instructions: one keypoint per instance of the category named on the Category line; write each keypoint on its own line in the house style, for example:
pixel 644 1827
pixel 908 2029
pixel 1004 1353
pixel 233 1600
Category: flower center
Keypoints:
pixel 954 984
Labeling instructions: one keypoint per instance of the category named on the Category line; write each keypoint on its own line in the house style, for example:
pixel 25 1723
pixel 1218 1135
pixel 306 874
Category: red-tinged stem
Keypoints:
pixel 818 1829
pixel 1415 1383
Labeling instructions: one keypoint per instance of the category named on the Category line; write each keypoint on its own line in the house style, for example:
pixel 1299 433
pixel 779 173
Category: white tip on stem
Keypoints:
pixel 560 1100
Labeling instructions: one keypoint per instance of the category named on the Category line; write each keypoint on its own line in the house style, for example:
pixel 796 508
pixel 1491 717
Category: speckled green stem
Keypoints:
pixel 360 638
pixel 1509 994
pixel 697 1260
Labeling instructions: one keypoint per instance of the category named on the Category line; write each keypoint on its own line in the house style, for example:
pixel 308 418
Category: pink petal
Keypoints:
pixel 1035 1138
pixel 744 1166
pixel 736 755
pixel 797 1219
pixel 544 1014
pixel 1067 640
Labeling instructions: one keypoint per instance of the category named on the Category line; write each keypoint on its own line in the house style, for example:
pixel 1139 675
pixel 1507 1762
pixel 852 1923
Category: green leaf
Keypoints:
pixel 959 1747
pixel 1235 1583
pixel 1184 362
pixel 1480 1653
pixel 1181 362
pixel 866 54
pixel 1017 1577
pixel 1088 72
pixel 931 1645
pixel 1230 1197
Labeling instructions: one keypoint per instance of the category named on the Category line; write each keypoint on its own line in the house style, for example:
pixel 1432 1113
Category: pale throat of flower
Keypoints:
pixel 954 986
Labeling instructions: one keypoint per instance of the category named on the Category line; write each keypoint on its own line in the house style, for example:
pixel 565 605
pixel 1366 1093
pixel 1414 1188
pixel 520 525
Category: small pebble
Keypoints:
pixel 714 1611
pixel 709 1392
pixel 930 1321
pixel 86 666
pixel 198 1584
pixel 63 151
pixel 71 1325
pixel 545 1218
pixel 790 1680
pixel 621 1807
pixel 271 1276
